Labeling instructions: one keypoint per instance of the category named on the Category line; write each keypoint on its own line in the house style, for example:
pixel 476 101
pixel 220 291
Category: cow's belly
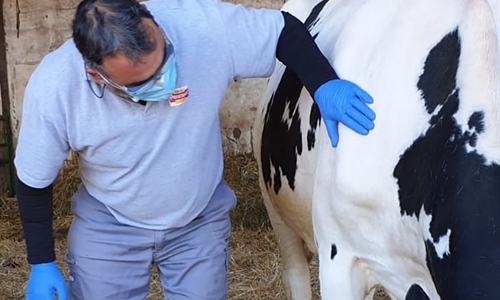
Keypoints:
pixel 356 211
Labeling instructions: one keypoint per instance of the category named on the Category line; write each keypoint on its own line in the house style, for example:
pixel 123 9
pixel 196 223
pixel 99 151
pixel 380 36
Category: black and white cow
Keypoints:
pixel 415 204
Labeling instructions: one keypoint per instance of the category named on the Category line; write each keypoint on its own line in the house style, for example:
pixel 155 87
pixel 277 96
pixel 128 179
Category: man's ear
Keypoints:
pixel 95 75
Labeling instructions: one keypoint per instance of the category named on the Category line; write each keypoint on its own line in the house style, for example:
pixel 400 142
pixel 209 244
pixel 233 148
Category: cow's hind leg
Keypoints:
pixel 296 277
pixel 343 276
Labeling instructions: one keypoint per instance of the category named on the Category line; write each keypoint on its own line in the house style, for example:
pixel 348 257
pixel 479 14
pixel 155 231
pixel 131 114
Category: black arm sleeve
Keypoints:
pixel 298 51
pixel 35 208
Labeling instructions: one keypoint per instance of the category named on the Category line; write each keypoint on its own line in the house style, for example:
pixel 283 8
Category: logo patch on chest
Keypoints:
pixel 179 96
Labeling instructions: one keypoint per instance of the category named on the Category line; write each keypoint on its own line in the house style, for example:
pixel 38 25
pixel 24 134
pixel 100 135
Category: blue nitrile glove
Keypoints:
pixel 342 101
pixel 44 280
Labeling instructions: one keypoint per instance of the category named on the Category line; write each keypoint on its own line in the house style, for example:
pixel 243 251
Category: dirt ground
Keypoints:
pixel 255 263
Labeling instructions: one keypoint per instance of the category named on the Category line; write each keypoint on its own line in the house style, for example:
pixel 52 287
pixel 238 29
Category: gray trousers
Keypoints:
pixel 112 261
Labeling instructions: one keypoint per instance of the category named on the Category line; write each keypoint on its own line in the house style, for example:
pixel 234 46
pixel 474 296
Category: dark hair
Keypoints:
pixel 102 28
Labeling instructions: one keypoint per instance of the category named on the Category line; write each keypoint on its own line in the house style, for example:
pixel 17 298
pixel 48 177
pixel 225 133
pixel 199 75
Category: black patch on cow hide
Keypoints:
pixel 437 81
pixel 416 293
pixel 314 120
pixel 312 19
pixel 315 116
pixel 333 252
pixel 281 143
pixel 476 122
pixel 459 189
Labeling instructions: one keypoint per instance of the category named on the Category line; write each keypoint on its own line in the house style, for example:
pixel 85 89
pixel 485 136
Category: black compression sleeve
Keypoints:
pixel 35 208
pixel 298 51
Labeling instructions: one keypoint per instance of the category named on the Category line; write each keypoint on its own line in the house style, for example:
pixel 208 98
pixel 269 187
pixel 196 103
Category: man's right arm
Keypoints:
pixel 41 149
pixel 35 208
pixel 42 146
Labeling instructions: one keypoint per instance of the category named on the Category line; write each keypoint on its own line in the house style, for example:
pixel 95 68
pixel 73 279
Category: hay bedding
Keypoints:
pixel 254 267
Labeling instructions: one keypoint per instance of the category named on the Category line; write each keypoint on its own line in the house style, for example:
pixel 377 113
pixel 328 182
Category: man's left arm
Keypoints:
pixel 256 37
pixel 338 100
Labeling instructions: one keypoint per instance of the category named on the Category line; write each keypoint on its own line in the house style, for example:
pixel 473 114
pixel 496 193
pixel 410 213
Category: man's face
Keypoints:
pixel 124 72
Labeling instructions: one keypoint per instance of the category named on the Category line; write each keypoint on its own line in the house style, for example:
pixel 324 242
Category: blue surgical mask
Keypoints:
pixel 160 87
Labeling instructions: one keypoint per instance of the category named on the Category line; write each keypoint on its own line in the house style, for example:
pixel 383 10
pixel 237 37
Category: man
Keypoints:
pixel 136 93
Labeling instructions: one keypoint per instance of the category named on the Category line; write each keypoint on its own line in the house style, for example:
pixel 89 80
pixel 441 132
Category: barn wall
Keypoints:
pixel 34 27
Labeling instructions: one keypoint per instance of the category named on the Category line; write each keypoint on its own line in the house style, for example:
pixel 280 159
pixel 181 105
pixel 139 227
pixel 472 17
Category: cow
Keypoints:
pixel 413 206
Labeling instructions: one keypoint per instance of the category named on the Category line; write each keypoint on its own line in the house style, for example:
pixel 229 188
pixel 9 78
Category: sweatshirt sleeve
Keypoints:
pixel 252 35
pixel 41 149
pixel 42 145
pixel 297 50
pixel 257 37
pixel 35 209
